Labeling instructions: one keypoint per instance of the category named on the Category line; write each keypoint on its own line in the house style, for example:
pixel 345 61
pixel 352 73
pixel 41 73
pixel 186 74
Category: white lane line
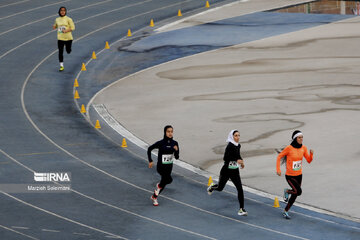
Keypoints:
pixel 115 207
pixel 6 5
pixel 59 216
pixel 81 234
pixel 49 230
pixel 17 227
pixel 20 233
pixel 54 15
pixel 44 34
pixel 32 9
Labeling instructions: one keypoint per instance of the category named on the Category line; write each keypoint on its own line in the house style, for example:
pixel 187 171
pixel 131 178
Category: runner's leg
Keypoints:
pixel 61 50
pixel 295 184
pixel 235 178
pixel 68 46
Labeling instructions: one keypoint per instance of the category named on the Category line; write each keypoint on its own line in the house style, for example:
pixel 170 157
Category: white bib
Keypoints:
pixel 167 158
pixel 61 29
pixel 296 165
pixel 233 165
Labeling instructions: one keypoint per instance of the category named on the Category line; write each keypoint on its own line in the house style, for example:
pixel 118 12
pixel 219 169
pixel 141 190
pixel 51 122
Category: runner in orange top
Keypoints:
pixel 293 155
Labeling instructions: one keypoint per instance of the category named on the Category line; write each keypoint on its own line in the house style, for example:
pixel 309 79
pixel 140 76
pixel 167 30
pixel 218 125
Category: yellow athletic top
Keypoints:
pixel 62 23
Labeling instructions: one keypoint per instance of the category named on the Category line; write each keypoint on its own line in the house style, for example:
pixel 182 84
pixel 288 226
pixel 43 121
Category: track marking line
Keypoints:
pixel 59 216
pixel 17 227
pixel 81 234
pixel 51 16
pixel 22 234
pixel 6 5
pixel 32 154
pixel 46 33
pixel 32 9
pixel 49 230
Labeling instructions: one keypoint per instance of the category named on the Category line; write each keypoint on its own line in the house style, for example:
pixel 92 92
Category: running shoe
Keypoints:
pixel 155 202
pixel 61 69
pixel 157 190
pixel 242 212
pixel 210 189
pixel 286 215
pixel 286 195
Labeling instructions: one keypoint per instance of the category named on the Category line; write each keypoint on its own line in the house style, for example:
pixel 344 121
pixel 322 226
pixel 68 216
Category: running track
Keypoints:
pixel 42 130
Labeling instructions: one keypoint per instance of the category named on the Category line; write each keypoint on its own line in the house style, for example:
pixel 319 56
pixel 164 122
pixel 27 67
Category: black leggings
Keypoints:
pixel 234 175
pixel 165 173
pixel 61 45
pixel 295 184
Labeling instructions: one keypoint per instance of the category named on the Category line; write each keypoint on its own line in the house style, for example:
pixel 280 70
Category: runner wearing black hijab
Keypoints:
pixel 293 156
pixel 168 149
pixel 230 170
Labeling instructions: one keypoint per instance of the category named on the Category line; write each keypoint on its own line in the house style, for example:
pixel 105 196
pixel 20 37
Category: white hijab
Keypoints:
pixel 231 138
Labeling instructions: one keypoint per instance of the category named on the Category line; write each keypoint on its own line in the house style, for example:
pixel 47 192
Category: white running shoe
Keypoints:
pixel 210 189
pixel 155 202
pixel 242 212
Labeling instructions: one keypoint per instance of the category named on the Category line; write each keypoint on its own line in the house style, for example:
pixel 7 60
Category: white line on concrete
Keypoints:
pixel 49 230
pixel 20 233
pixel 17 227
pixel 81 234
pixel 59 216
pixel 32 9
pixel 54 15
pixel 6 5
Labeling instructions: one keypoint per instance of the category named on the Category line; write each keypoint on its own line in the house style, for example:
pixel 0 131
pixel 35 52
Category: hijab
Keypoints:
pixel 294 142
pixel 165 129
pixel 231 137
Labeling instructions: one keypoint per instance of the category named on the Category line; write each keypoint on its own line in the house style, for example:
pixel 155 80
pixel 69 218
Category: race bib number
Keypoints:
pixel 61 29
pixel 296 165
pixel 233 165
pixel 167 159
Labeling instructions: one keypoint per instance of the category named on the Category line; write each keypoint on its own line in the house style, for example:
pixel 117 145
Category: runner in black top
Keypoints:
pixel 232 160
pixel 168 149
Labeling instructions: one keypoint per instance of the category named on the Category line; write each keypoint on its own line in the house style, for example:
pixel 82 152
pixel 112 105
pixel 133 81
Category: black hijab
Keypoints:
pixel 165 129
pixel 294 142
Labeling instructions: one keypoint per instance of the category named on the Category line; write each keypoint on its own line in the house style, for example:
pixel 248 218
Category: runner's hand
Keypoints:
pixel 176 148
pixel 311 151
pixel 241 163
pixel 151 164
pixel 278 173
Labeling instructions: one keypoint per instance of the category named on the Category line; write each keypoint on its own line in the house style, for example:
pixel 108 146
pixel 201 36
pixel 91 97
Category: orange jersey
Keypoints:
pixel 294 157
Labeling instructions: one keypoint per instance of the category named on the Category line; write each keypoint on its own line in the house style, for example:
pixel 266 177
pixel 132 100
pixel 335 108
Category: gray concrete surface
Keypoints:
pixel 305 80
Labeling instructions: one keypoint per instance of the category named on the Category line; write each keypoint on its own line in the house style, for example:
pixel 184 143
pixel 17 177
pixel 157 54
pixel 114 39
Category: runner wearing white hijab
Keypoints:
pixel 230 170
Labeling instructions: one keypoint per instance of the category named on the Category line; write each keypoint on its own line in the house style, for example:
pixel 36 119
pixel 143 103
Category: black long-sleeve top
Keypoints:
pixel 232 153
pixel 166 148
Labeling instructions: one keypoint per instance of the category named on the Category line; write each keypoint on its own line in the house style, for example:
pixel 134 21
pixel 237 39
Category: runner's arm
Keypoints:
pixel 308 157
pixel 177 151
pixel 152 147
